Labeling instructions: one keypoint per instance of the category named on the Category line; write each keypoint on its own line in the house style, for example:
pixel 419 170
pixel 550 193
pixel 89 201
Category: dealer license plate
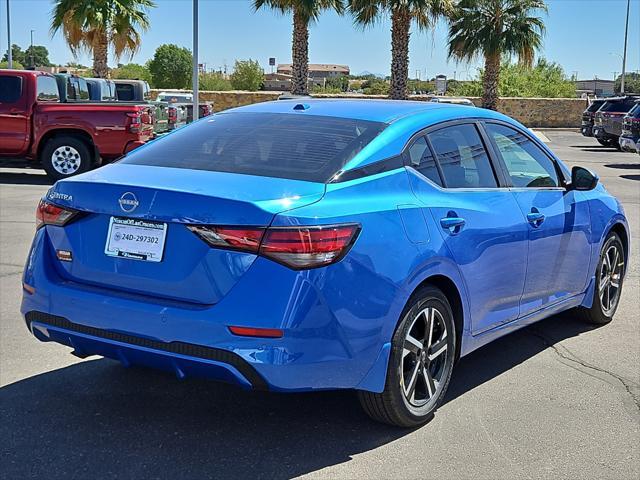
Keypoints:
pixel 136 239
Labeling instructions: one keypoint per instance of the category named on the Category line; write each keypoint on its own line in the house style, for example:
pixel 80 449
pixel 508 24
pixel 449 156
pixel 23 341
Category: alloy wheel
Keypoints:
pixel 424 357
pixel 609 279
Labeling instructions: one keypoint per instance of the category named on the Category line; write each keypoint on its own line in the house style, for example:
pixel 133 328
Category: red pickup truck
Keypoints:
pixel 67 138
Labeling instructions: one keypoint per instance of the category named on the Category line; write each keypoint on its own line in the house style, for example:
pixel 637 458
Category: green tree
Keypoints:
pixel 375 86
pixel 631 83
pixel 304 12
pixel 17 54
pixel 171 67
pixel 340 83
pixel 16 65
pixel 214 81
pixel 493 28
pixel 95 25
pixel 247 75
pixel 37 56
pixel 132 71
pixel 403 12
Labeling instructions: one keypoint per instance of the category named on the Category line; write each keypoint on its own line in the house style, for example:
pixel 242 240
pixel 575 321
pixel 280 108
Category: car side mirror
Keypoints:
pixel 583 179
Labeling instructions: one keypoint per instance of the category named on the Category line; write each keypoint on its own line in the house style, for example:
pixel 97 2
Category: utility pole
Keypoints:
pixel 31 64
pixel 196 91
pixel 624 51
pixel 10 52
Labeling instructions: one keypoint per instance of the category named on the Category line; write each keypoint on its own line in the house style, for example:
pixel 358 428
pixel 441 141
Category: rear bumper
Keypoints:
pixel 628 144
pixel 132 145
pixel 324 347
pixel 183 359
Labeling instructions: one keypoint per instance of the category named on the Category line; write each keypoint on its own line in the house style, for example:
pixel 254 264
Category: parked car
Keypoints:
pixel 167 117
pixel 66 138
pixel 588 116
pixel 330 244
pixel 630 129
pixel 186 100
pixel 101 90
pixel 608 120
pixel 72 88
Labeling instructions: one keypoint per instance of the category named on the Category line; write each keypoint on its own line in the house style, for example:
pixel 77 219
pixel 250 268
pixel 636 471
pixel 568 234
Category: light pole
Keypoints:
pixel 196 91
pixel 31 64
pixel 9 52
pixel 624 51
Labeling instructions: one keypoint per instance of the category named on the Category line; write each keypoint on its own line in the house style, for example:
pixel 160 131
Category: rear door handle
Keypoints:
pixel 535 218
pixel 452 224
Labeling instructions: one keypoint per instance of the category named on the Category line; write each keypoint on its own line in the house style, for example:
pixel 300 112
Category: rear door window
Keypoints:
pixel 295 146
pixel 617 106
pixel 462 157
pixel 422 160
pixel 47 88
pixel 594 106
pixel 10 88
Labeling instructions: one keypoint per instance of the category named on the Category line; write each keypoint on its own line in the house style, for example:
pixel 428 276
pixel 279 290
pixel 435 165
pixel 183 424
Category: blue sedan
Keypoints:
pixel 328 244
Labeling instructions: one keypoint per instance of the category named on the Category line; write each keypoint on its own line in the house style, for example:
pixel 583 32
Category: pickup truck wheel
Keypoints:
pixel 65 156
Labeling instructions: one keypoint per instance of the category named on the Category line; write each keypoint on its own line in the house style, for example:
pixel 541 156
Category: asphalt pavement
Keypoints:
pixel 559 399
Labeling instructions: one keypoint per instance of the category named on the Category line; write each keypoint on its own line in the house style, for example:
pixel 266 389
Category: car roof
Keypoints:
pixel 374 110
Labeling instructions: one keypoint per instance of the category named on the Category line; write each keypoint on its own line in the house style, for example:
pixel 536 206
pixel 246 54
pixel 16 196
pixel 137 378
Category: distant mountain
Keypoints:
pixel 366 73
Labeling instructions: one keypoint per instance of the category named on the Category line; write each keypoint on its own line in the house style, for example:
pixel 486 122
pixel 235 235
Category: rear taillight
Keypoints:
pixel 205 110
pixel 50 214
pixel 296 247
pixel 172 115
pixel 134 122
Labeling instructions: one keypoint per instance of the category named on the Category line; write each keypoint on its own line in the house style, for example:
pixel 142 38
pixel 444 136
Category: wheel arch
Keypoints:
pixel 621 230
pixel 454 296
pixel 72 132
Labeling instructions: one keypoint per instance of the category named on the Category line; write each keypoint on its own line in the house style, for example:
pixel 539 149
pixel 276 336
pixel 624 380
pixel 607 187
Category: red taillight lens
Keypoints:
pixel 133 122
pixel 257 332
pixel 296 247
pixel 308 247
pixel 246 239
pixel 50 214
pixel 172 115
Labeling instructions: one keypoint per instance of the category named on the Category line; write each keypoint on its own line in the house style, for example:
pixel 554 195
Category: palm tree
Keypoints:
pixel 304 12
pixel 94 25
pixel 494 28
pixel 403 12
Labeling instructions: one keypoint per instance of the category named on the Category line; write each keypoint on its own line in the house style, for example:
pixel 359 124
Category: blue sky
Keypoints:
pixel 584 36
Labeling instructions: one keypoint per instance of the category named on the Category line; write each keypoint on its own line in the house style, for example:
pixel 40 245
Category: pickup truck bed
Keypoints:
pixel 67 138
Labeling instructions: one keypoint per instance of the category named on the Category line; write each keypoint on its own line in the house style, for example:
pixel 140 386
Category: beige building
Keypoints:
pixel 318 72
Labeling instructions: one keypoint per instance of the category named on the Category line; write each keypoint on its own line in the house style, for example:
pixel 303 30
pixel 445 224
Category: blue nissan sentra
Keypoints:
pixel 324 244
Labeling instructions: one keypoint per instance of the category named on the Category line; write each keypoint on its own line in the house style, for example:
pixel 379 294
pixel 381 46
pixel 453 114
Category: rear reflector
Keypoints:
pixel 296 247
pixel 50 214
pixel 256 332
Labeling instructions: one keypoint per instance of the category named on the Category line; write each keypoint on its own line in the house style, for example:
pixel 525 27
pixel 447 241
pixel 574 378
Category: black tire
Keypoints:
pixel 392 405
pixel 605 142
pixel 64 156
pixel 598 313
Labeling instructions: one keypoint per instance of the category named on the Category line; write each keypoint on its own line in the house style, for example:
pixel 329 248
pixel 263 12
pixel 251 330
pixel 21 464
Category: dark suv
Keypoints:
pixel 631 129
pixel 587 117
pixel 607 126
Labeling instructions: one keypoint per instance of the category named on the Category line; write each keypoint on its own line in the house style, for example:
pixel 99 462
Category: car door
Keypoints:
pixel 479 221
pixel 14 117
pixel 558 219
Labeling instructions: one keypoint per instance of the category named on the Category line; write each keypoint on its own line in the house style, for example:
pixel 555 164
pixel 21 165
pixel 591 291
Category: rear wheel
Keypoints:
pixel 420 363
pixel 609 277
pixel 65 156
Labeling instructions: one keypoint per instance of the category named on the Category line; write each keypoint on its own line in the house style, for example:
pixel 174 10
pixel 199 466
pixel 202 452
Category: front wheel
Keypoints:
pixel 609 277
pixel 420 363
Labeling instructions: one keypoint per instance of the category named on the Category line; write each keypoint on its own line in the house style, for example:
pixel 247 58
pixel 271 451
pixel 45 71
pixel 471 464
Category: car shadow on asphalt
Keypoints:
pixel 96 418
pixel 631 177
pixel 625 166
pixel 19 178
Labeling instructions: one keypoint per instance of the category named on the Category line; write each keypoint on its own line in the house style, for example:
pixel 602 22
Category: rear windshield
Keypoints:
pixel 635 111
pixel 595 106
pixel 617 106
pixel 10 89
pixel 295 146
pixel 125 92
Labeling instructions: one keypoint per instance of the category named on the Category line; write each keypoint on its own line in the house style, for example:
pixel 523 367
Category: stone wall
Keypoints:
pixel 533 112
